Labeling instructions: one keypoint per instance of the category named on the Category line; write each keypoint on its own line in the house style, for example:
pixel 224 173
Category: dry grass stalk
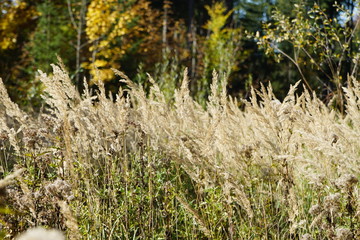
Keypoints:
pixel 70 222
pixel 196 216
pixel 275 144
pixel 9 179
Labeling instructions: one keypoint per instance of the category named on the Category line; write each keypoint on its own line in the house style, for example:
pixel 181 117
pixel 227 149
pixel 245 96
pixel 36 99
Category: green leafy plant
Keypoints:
pixel 325 45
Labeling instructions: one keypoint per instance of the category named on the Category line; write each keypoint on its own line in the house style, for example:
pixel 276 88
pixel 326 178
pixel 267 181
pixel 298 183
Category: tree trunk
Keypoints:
pixel 190 14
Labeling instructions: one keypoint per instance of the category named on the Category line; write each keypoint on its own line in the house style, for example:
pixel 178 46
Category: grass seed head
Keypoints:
pixel 41 233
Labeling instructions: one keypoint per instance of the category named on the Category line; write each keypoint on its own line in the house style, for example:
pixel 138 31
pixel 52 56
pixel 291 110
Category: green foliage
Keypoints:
pixel 221 48
pixel 321 48
pixel 52 36
pixel 94 36
pixel 150 162
pixel 17 22
pixel 142 166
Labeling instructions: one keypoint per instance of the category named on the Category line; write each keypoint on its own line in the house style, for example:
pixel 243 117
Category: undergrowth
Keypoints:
pixel 141 166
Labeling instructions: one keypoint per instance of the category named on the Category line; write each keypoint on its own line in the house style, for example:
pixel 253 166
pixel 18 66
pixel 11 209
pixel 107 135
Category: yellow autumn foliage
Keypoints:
pixel 12 17
pixel 113 27
pixel 218 17
pixel 221 39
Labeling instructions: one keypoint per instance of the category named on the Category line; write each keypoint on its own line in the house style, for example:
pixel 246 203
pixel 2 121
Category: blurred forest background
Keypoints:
pixel 248 41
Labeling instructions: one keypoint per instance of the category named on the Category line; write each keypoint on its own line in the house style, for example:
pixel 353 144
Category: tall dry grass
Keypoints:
pixel 139 166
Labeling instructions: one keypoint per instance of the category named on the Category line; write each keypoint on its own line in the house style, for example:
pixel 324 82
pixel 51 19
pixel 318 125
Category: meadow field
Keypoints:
pixel 143 166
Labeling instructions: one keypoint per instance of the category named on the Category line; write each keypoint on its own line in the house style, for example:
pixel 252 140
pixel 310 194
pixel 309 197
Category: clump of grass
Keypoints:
pixel 138 166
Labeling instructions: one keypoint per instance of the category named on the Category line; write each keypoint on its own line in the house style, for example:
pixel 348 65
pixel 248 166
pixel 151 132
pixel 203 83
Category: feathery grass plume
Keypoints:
pixel 27 199
pixel 196 216
pixel 9 107
pixel 343 234
pixel 60 189
pixel 273 168
pixel 40 233
pixel 306 236
pixel 70 222
pixel 10 178
pixel 352 95
pixel 195 138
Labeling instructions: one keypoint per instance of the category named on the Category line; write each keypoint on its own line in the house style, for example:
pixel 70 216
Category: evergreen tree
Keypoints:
pixel 52 36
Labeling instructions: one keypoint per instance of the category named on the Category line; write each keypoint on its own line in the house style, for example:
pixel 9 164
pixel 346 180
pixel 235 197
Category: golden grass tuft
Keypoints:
pixel 138 166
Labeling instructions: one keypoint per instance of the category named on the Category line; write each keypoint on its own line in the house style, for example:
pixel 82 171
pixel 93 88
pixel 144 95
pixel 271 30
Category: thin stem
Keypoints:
pixel 296 64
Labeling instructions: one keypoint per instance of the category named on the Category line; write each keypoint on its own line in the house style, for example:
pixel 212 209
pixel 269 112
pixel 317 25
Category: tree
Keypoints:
pixel 17 21
pixel 77 12
pixel 321 46
pixel 116 28
pixel 220 50
pixel 52 36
